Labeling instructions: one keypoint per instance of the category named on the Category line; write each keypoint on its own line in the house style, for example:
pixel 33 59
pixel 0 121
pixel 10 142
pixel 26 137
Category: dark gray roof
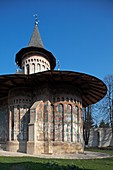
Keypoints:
pixel 35 40
pixel 92 88
pixel 35 46
pixel 35 50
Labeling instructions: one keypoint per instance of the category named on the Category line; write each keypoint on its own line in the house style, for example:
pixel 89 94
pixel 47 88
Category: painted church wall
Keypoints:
pixel 56 120
pixel 19 102
pixel 45 117
pixel 3 122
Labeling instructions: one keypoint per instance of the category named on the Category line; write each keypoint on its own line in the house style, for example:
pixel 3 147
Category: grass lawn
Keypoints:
pixel 30 163
pixel 108 150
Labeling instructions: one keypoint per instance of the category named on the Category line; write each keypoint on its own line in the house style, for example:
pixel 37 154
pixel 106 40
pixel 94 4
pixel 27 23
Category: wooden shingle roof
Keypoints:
pixel 35 46
pixel 36 40
pixel 92 89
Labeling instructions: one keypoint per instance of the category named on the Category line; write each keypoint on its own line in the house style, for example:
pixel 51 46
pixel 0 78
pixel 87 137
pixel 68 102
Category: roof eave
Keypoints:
pixel 24 51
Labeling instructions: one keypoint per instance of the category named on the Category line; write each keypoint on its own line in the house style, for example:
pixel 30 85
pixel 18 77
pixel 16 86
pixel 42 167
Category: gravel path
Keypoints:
pixel 85 155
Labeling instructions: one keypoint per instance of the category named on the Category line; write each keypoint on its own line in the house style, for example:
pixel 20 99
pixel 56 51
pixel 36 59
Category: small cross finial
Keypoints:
pixel 36 19
pixel 58 65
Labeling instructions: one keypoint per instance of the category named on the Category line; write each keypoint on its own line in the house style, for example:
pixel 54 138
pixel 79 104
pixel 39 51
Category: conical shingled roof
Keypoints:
pixel 35 46
pixel 36 40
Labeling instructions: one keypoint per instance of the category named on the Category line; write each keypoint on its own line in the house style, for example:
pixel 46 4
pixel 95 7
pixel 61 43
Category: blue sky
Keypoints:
pixel 79 33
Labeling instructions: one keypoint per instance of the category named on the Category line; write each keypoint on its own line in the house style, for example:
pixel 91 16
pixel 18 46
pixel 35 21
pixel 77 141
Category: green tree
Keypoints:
pixel 107 125
pixel 103 124
pixel 96 126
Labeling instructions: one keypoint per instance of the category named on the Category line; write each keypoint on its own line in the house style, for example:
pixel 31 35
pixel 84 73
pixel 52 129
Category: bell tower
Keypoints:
pixel 35 58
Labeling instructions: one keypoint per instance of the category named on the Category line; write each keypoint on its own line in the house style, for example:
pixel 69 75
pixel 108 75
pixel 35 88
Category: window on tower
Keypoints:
pixel 27 69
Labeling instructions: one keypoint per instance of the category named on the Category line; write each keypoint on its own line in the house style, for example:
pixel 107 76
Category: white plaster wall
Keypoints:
pixel 105 135
pixel 93 139
pixel 35 64
pixel 100 137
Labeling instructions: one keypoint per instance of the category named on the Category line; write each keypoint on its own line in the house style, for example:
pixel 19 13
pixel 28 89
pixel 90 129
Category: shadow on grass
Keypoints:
pixel 37 166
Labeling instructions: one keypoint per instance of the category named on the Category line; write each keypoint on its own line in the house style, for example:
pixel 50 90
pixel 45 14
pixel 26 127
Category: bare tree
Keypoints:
pixel 87 123
pixel 105 106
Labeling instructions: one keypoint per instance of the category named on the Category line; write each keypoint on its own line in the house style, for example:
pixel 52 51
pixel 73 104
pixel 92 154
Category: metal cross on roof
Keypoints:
pixel 36 19
pixel 58 65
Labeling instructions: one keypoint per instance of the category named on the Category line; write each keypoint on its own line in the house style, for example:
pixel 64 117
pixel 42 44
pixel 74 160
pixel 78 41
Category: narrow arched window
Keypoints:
pixel 52 131
pixel 27 69
pixel 39 67
pixel 12 124
pixel 62 98
pixel 23 69
pixel 67 99
pixel 43 67
pixel 77 124
pixel 33 67
pixel 59 125
pixel 77 115
pixel 69 123
pixel 58 99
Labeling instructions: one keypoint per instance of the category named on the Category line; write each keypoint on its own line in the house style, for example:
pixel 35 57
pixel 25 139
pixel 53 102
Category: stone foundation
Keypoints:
pixel 2 145
pixel 15 146
pixel 35 147
pixel 49 147
pixel 39 147
pixel 65 147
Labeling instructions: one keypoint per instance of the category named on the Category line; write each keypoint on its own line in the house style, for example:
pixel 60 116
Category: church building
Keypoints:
pixel 41 108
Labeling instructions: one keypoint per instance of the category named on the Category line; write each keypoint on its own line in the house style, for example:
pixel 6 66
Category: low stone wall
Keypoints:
pixel 100 137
